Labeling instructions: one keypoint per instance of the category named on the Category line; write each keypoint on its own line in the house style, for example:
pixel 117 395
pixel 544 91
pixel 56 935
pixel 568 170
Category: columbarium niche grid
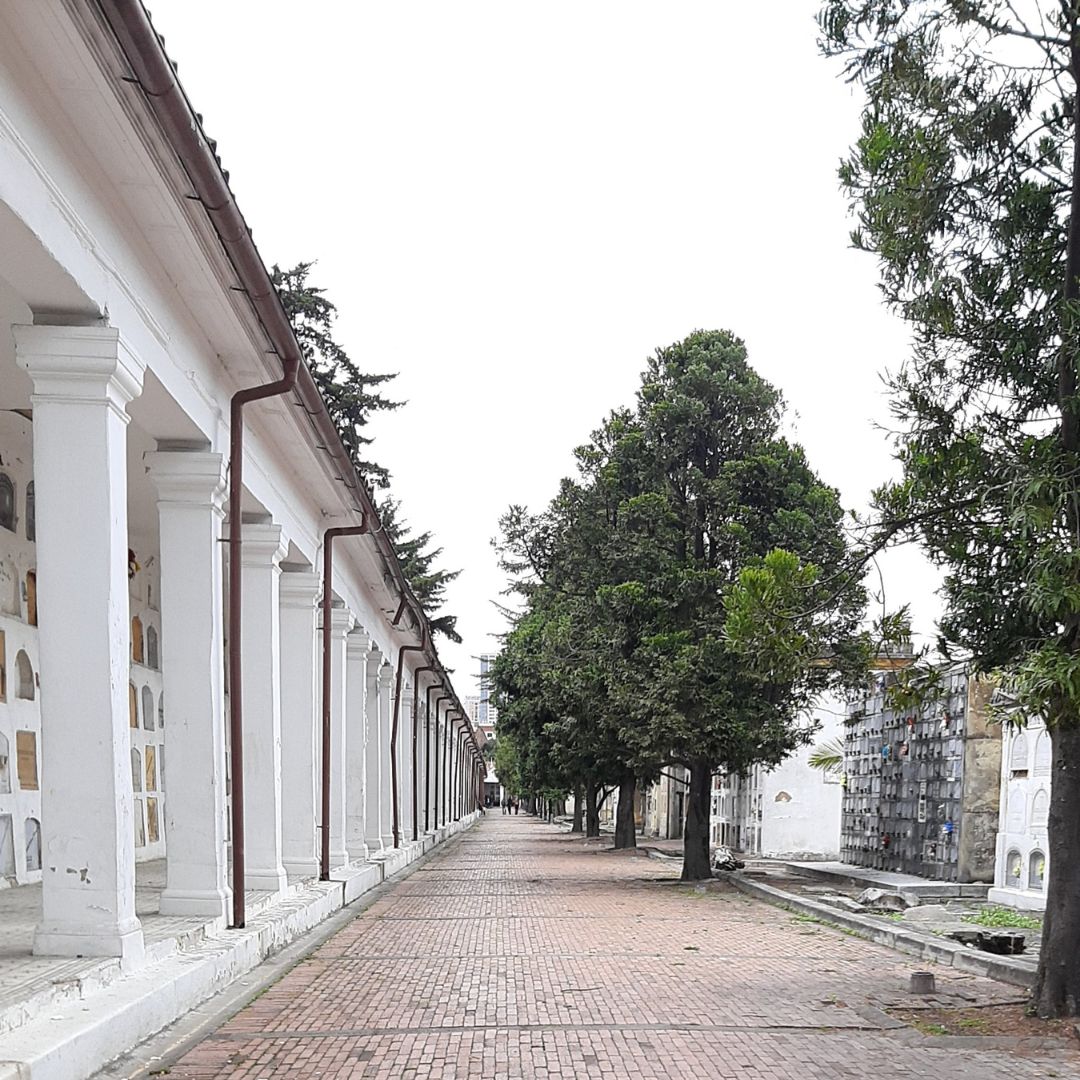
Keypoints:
pixel 904 783
pixel 146 710
pixel 20 677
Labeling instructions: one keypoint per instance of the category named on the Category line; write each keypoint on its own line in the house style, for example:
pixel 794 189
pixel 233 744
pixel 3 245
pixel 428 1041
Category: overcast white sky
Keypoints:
pixel 513 203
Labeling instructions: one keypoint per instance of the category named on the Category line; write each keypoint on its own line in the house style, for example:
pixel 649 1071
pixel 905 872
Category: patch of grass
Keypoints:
pixel 932 1029
pixel 1003 917
pixel 973 1023
pixel 807 919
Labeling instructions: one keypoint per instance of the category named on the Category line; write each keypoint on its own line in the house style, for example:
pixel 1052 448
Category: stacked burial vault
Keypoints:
pixel 922 785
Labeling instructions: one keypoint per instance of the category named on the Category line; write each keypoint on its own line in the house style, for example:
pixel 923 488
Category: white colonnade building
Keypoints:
pixel 133 308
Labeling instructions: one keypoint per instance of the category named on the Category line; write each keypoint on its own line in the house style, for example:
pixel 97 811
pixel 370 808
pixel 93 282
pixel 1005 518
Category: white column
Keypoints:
pixel 374 765
pixel 341 622
pixel 386 801
pixel 261 554
pixel 83 378
pixel 190 486
pixel 356 654
pixel 300 718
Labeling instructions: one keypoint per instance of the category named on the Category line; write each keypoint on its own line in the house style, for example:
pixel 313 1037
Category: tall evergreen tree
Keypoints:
pixel 351 397
pixel 966 182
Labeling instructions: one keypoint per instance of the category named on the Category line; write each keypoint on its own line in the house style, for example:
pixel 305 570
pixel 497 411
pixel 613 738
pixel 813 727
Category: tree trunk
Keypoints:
pixel 625 829
pixel 696 836
pixel 1057 982
pixel 579 811
pixel 592 811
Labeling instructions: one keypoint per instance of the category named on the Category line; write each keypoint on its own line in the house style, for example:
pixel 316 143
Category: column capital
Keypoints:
pixel 358 643
pixel 89 365
pixel 374 661
pixel 386 675
pixel 187 477
pixel 342 621
pixel 262 544
pixel 299 589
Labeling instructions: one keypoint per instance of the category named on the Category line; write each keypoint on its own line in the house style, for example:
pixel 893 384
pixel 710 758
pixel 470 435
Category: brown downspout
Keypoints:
pixel 415 713
pixel 327 606
pixel 427 755
pixel 447 722
pixel 435 741
pixel 394 727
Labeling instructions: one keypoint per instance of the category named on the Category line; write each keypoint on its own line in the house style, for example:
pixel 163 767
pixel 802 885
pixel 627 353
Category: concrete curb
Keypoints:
pixel 79 1037
pixel 937 950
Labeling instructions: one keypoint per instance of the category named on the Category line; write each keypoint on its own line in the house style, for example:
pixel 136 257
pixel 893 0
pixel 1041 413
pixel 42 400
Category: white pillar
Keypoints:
pixel 299 592
pixel 341 622
pixel 190 486
pixel 386 801
pixel 83 378
pixel 261 554
pixel 374 765
pixel 356 654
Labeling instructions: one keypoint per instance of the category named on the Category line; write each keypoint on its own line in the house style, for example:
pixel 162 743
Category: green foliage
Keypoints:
pixel 1003 917
pixel 828 756
pixel 961 180
pixel 673 606
pixel 350 394
pixel 351 397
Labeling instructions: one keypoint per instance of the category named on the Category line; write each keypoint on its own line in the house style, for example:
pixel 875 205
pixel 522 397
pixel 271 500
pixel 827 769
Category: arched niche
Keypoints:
pixel 1040 810
pixel 136 769
pixel 133 706
pixel 31 513
pixel 3 666
pixel 32 836
pixel 1015 808
pixel 1014 867
pixel 1043 754
pixel 136 640
pixel 161 709
pixel 149 713
pixel 5 765
pixel 152 658
pixel 7 502
pixel 1018 753
pixel 24 676
pixel 1036 870
pixel 7 846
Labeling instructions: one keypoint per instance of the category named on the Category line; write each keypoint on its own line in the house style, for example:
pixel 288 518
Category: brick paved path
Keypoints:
pixel 518 951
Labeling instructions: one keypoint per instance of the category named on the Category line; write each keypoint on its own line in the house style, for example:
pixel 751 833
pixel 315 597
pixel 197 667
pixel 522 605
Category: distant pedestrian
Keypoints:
pixel 517 805
pixel 506 804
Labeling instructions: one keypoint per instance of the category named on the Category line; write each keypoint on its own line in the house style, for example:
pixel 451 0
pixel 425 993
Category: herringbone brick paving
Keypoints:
pixel 518 952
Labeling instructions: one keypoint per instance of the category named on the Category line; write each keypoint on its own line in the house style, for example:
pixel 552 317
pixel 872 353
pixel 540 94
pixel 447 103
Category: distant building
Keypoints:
pixel 486 713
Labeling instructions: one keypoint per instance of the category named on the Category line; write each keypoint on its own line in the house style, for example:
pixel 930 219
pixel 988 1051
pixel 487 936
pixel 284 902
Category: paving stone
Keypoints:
pixel 516 952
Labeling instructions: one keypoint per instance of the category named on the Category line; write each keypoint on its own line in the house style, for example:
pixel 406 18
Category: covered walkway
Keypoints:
pixel 518 951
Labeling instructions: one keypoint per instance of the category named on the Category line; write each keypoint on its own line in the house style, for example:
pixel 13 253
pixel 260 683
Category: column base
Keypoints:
pixel 374 845
pixel 302 868
pixel 273 880
pixel 358 851
pixel 214 903
pixel 124 942
pixel 339 858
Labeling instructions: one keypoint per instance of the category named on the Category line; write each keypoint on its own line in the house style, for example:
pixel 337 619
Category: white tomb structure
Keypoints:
pixel 1022 865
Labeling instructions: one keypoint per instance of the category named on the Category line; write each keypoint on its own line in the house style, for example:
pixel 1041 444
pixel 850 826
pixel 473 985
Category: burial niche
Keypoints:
pixel 7 502
pixel 5 766
pixel 33 844
pixel 151 648
pixel 136 640
pixel 31 515
pixel 1036 870
pixel 149 716
pixel 7 846
pixel 31 597
pixel 24 676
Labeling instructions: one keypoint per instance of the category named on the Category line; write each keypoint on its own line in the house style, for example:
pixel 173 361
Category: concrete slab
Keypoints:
pixel 916 886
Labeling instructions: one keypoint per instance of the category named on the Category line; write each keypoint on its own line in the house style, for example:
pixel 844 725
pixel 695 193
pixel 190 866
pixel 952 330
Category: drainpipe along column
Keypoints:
pixel 415 750
pixel 386 802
